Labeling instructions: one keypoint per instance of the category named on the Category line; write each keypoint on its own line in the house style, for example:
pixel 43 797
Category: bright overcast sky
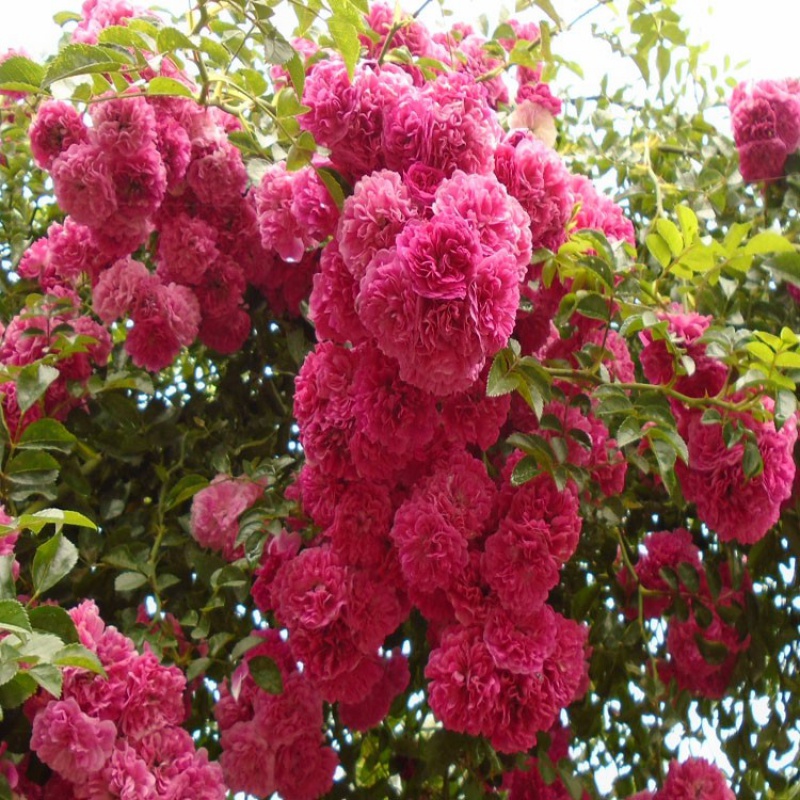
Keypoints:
pixel 763 33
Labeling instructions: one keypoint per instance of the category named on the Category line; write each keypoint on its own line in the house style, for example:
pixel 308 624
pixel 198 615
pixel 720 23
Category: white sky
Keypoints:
pixel 765 33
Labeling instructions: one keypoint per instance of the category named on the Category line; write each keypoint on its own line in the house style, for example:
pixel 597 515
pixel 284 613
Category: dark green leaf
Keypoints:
pixel 55 620
pixel 32 383
pixel 47 434
pixel 266 674
pixel 53 561
pixel 129 581
pixel 14 617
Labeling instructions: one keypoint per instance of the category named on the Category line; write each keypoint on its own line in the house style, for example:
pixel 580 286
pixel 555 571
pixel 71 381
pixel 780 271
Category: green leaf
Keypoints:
pixel 53 561
pixel 184 489
pixel 54 516
pixel 20 74
pixel 335 184
pixel 550 10
pixel 712 652
pixel 768 242
pixel 48 677
pixel 659 249
pixel 671 235
pixel 47 434
pixel 525 470
pixel 689 577
pixel 129 581
pixel 593 306
pixel 16 691
pixel 688 222
pixel 55 620
pixel 266 674
pixel 7 587
pixel 297 73
pixel 84 59
pixel 32 468
pixel 76 655
pixel 172 39
pixel 752 463
pixel 786 265
pixel 345 36
pixel 501 378
pixel 161 86
pixel 124 36
pixel 14 617
pixel 32 383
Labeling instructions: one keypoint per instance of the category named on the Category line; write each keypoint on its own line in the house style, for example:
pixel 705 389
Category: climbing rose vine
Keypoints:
pixel 387 454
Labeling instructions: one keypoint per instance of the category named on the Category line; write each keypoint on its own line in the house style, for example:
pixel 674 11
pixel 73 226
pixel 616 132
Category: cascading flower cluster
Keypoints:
pixel 735 506
pixel 119 736
pixel 766 126
pixel 703 647
pixel 73 344
pixel 418 288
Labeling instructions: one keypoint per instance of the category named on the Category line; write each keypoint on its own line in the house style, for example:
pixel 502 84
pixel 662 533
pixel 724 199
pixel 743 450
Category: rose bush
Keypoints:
pixel 387 454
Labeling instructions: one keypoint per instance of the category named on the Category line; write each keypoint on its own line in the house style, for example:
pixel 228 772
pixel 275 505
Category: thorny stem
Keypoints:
pixel 695 402
pixel 654 703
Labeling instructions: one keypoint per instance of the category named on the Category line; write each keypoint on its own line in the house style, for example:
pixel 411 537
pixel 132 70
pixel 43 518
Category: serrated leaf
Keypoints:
pixel 32 382
pixel 501 379
pixel 266 674
pixel 32 468
pixel 46 434
pixel 124 36
pixel 184 489
pixel 659 249
pixel 54 516
pixel 129 581
pixel 20 74
pixel 16 691
pixel 345 36
pixel 593 306
pixel 55 620
pixel 53 561
pixel 84 59
pixel 669 232
pixel 768 242
pixel 76 655
pixel 48 677
pixel 525 470
pixel 688 222
pixel 7 586
pixel 161 86
pixel 170 39
pixel 14 617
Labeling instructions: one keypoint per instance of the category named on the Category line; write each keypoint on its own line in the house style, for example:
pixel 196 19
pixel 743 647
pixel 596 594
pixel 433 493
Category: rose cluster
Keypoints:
pixel 274 742
pixel 57 335
pixel 734 505
pixel 119 735
pixel 766 126
pixel 419 284
pixel 703 643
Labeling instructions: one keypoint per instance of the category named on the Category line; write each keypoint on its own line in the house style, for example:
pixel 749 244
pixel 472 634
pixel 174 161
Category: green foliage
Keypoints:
pixel 125 472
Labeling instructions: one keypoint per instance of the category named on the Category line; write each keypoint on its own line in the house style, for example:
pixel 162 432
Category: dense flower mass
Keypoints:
pixel 411 291
pixel 766 126
pixel 120 736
